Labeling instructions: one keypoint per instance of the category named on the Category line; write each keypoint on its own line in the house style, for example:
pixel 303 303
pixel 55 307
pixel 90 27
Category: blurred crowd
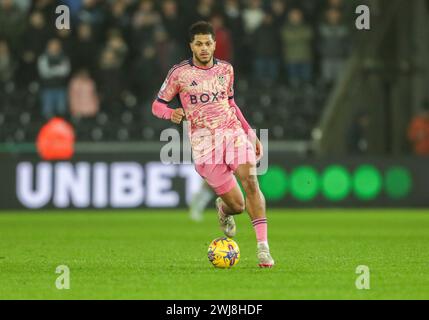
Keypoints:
pixel 119 49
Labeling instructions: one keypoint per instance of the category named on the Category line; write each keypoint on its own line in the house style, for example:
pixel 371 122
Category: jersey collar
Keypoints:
pixel 191 62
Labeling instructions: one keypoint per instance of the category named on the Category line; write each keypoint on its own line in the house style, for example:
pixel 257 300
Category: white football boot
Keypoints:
pixel 226 222
pixel 264 256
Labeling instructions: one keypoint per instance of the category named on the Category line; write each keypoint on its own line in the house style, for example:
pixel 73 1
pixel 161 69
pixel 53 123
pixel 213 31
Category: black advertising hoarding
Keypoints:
pixel 140 180
pixel 96 181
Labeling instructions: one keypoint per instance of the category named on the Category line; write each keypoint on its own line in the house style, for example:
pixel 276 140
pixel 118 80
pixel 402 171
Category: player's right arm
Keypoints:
pixel 168 91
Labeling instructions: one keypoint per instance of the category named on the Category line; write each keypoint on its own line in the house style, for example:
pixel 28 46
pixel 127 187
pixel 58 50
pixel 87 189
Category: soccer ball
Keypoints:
pixel 223 253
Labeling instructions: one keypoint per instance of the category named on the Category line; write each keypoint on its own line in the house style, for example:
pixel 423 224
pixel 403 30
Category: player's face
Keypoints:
pixel 203 48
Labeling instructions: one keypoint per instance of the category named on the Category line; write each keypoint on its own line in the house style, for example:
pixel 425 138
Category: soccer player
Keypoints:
pixel 217 130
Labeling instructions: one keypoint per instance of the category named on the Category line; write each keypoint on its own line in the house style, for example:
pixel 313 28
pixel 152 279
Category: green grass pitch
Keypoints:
pixel 162 255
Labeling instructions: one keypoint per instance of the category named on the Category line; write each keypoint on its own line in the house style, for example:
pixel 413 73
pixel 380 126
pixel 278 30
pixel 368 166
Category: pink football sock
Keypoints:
pixel 260 226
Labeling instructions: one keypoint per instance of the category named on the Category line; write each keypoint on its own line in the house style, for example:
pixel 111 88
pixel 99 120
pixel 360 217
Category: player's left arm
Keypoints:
pixel 245 125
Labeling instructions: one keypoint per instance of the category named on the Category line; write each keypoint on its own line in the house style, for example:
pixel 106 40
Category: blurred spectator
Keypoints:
pixel 333 45
pixel 297 37
pixel 266 51
pixel 47 8
pixel 146 73
pixel 336 4
pixel 204 10
pixel 144 23
pixel 119 18
pixel 67 41
pixel 54 69
pixel 357 136
pixel 43 4
pixel 224 46
pixel 310 8
pixel 74 6
pixel 418 132
pixel 172 21
pixel 234 20
pixel 86 49
pixel 7 63
pixel 253 16
pixel 117 44
pixel 83 99
pixel 12 22
pixel 278 11
pixel 110 78
pixel 91 12
pixel 23 5
pixel 167 52
pixel 34 43
pixel 174 26
pixel 234 23
pixel 346 8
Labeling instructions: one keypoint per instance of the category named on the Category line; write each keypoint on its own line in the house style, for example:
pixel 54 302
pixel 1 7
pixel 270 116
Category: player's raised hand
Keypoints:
pixel 177 115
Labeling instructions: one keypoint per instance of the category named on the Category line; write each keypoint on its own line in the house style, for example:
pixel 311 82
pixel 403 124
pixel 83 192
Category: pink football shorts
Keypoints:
pixel 219 171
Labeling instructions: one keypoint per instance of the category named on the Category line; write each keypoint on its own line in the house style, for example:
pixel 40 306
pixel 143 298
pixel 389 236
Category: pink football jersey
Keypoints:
pixel 204 94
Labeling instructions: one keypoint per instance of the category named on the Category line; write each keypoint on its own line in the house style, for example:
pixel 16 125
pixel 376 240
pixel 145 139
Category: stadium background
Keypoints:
pixel 325 90
pixel 348 119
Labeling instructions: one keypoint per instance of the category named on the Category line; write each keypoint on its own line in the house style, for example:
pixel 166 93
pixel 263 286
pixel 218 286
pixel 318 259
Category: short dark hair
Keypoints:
pixel 201 27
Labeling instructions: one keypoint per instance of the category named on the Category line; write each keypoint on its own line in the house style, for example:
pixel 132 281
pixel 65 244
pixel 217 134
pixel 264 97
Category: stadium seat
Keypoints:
pixel 97 134
pixel 19 135
pixel 278 132
pixel 127 117
pixel 102 118
pixel 33 87
pixel 257 117
pixel 122 134
pixel 25 118
pixel 148 133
